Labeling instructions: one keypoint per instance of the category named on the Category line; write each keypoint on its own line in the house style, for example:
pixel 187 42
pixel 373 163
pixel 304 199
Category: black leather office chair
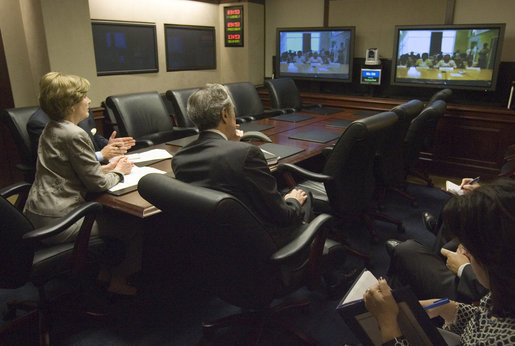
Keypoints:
pixel 179 99
pixel 236 255
pixel 16 120
pixel 284 95
pixel 247 102
pixel 346 186
pixel 144 117
pixel 389 165
pixel 420 137
pixel 24 258
pixel 443 95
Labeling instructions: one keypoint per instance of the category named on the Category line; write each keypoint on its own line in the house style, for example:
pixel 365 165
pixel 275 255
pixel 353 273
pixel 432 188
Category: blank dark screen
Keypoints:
pixel 190 48
pixel 124 48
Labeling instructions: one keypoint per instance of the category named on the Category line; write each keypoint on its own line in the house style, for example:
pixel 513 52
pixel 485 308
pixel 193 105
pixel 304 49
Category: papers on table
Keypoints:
pixel 150 155
pixel 453 188
pixel 131 180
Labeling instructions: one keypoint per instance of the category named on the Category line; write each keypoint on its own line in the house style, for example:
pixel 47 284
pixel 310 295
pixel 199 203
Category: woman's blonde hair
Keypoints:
pixel 59 92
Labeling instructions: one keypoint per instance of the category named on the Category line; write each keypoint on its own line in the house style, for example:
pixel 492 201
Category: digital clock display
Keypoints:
pixel 233 26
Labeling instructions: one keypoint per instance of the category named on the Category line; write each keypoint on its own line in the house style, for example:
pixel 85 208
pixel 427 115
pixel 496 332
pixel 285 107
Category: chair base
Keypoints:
pixel 258 320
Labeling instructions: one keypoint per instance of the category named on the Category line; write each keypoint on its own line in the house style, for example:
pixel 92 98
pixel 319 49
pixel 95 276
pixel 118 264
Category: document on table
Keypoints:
pixel 453 188
pixel 131 180
pixel 150 155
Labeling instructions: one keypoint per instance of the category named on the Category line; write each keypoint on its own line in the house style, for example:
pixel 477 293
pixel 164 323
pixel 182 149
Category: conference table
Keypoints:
pixel 280 132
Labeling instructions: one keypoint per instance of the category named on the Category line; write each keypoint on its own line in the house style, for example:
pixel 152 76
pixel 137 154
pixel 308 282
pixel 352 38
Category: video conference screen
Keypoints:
pixel 455 56
pixel 123 47
pixel 190 47
pixel 315 53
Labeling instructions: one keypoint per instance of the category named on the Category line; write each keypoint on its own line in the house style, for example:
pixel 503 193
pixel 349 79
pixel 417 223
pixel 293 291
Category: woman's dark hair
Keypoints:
pixel 484 222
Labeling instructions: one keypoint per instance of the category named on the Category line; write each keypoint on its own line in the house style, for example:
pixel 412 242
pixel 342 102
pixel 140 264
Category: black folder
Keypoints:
pixel 340 123
pixel 279 150
pixel 319 136
pixel 251 126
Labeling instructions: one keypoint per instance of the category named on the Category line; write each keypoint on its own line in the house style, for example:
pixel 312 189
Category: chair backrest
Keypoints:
pixel 179 99
pixel 229 242
pixel 16 120
pixel 283 93
pixel 443 95
pixel 351 163
pixel 16 255
pixel 421 131
pixel 141 116
pixel 246 99
pixel 390 166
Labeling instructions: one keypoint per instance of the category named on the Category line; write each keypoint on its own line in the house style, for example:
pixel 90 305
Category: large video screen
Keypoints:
pixel 315 53
pixel 454 56
pixel 190 47
pixel 124 47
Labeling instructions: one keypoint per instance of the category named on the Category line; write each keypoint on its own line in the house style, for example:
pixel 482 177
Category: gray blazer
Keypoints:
pixel 66 170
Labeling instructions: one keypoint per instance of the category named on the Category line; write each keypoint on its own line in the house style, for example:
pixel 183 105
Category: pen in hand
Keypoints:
pixel 437 303
pixel 473 181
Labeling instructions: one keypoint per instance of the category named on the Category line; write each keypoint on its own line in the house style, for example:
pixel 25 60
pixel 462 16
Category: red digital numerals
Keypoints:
pixel 233 37
pixel 233 25
pixel 231 12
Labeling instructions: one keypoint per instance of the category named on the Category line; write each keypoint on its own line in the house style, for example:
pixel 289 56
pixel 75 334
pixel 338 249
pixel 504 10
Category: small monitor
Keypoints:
pixel 371 76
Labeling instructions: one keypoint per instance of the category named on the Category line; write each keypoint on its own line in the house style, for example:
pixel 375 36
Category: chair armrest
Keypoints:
pixel 290 110
pixel 185 131
pixel 15 189
pixel 304 173
pixel 305 239
pixel 65 222
pixel 21 189
pixel 141 144
pixel 312 105
pixel 271 112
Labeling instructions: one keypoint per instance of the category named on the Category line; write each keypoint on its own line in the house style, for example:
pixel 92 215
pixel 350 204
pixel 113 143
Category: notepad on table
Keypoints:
pixel 453 188
pixel 130 182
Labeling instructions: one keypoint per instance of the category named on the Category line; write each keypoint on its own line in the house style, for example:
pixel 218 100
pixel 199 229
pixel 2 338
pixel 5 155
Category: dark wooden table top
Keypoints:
pixel 132 203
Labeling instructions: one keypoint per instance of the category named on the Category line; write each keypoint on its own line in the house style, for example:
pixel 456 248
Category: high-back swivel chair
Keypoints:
pixel 389 165
pixel 346 186
pixel 247 102
pixel 24 259
pixel 179 99
pixel 443 95
pixel 144 117
pixel 420 135
pixel 284 95
pixel 235 253
pixel 16 120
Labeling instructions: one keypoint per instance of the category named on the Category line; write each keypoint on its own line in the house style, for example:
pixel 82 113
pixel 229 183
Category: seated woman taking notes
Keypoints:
pixel 67 167
pixel 484 222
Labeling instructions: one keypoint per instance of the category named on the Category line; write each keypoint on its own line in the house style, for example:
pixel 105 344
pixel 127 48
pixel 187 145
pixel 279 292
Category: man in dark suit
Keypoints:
pixel 431 274
pixel 105 149
pixel 218 160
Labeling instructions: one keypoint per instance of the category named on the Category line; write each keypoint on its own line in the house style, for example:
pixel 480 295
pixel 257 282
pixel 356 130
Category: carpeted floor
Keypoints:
pixel 170 311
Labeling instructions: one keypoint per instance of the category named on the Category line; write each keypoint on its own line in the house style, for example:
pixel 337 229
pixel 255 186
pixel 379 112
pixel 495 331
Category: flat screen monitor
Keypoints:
pixel 460 56
pixel 323 54
pixel 124 47
pixel 190 47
